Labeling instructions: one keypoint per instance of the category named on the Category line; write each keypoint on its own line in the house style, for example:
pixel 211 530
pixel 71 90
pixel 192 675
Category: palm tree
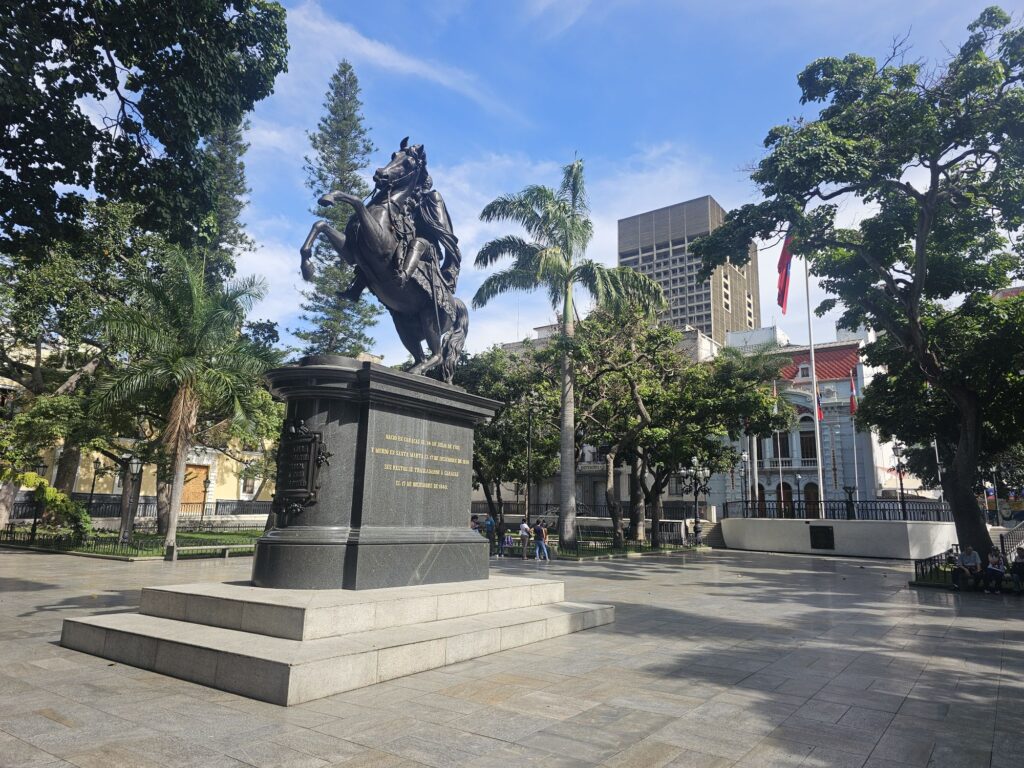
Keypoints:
pixel 558 229
pixel 185 354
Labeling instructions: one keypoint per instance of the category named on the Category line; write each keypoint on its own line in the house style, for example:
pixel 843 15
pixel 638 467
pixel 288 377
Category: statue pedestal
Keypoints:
pixel 374 480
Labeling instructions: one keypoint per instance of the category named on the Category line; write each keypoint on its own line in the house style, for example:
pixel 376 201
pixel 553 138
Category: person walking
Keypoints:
pixel 540 538
pixel 524 536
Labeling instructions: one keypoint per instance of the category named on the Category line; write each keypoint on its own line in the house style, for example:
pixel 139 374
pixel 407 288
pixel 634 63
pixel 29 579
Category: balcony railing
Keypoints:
pixel 786 462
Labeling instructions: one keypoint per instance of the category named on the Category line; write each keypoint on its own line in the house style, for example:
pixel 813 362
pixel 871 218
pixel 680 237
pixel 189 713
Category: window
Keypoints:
pixel 804 372
pixel 249 485
pixel 807 448
pixel 781 445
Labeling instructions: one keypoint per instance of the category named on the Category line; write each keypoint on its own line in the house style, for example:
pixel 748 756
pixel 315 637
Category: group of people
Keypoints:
pixel 990 577
pixel 502 539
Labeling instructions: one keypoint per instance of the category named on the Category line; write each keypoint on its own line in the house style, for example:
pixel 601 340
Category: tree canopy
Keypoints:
pixel 936 156
pixel 116 98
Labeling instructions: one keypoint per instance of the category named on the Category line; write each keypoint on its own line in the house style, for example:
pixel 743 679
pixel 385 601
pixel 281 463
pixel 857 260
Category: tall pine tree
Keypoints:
pixel 223 231
pixel 341 149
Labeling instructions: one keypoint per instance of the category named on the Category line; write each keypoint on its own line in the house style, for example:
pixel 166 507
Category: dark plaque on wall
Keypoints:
pixel 300 455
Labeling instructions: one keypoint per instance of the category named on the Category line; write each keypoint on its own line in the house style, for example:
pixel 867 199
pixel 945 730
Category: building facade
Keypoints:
pixel 657 244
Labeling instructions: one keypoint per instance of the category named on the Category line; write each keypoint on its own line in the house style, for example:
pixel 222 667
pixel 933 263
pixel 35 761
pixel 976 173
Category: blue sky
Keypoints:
pixel 665 101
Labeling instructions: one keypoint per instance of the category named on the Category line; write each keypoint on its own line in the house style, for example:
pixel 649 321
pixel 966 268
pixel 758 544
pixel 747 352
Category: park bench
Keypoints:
pixel 172 550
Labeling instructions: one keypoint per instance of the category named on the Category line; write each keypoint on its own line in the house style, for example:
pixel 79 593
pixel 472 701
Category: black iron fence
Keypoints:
pixel 139 545
pixel 671 510
pixel 109 505
pixel 937 569
pixel 1009 541
pixel 875 509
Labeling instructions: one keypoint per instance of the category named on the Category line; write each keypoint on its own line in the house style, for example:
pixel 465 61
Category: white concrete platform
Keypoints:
pixel 287 647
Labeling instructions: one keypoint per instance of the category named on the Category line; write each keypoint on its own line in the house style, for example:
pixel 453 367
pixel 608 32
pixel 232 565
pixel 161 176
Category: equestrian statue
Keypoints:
pixel 401 245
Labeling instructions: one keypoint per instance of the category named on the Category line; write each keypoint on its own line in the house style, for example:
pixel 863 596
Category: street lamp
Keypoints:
pixel 897 451
pixel 799 495
pixel 695 481
pixel 744 458
pixel 206 495
pixel 96 466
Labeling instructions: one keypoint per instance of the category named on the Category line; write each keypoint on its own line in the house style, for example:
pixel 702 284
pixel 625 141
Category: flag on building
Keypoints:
pixel 785 263
pixel 821 413
pixel 853 393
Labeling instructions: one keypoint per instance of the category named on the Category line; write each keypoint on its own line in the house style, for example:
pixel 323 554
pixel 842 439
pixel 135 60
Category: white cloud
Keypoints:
pixel 315 38
pixel 556 16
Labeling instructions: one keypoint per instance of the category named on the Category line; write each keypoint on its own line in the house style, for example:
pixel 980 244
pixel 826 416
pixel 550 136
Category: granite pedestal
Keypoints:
pixel 290 646
pixel 371 571
pixel 374 480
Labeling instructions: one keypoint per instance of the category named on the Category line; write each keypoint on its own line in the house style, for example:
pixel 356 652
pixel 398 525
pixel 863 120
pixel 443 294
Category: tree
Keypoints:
pixel 983 339
pixel 559 229
pixel 937 155
pixel 47 347
pixel 705 408
pixel 115 98
pixel 341 146
pixel 498 455
pixel 224 234
pixel 623 359
pixel 189 355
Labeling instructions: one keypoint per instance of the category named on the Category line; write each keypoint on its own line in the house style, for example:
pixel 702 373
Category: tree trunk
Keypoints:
pixel 163 499
pixel 8 492
pixel 567 453
pixel 656 511
pixel 67 468
pixel 958 479
pixel 128 517
pixel 637 516
pixel 126 493
pixel 614 510
pixel 177 486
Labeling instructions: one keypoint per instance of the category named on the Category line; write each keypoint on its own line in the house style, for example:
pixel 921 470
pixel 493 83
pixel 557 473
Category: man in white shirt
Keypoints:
pixel 524 536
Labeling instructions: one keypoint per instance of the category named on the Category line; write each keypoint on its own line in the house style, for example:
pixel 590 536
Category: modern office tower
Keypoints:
pixel 656 243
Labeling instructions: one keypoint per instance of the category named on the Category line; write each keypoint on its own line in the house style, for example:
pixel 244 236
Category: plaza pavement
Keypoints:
pixel 715 659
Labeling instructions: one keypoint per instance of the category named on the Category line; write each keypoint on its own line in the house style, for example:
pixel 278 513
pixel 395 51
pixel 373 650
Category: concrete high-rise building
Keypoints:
pixel 656 244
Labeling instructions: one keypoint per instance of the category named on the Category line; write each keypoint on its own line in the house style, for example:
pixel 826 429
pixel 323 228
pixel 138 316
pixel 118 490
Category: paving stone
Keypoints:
pixel 802 661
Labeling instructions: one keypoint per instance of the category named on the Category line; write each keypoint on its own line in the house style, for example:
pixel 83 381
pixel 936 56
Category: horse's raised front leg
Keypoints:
pixel 334 237
pixel 372 233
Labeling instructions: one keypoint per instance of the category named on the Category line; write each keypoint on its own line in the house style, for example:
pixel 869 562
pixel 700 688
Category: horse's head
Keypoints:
pixel 405 168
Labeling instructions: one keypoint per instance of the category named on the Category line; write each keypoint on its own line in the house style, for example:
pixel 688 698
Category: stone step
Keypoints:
pixel 314 614
pixel 286 672
pixel 714 537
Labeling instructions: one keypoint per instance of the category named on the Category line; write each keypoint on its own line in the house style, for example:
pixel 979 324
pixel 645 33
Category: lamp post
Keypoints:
pixel 799 495
pixel 529 460
pixel 744 458
pixel 38 468
pixel 851 509
pixel 134 491
pixel 897 451
pixel 695 481
pixel 206 494
pixel 96 466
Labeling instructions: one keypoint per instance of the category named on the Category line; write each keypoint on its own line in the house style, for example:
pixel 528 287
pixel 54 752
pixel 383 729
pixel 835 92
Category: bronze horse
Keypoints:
pixel 394 242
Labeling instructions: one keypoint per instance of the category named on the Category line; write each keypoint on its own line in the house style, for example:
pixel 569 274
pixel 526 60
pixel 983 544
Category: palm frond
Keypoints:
pixel 573 189
pixel 524 208
pixel 506 246
pixel 505 281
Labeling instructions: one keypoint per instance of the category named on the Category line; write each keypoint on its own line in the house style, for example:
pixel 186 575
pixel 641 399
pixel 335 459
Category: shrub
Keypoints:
pixel 56 509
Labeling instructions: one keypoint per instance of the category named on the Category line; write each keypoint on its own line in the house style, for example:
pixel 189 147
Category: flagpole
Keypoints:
pixel 814 387
pixel 778 444
pixel 853 425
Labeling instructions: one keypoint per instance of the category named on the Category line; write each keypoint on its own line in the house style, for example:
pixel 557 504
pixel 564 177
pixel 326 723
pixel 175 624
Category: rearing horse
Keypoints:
pixel 394 242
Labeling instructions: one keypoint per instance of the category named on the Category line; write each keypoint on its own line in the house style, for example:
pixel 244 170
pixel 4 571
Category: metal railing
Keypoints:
pixel 936 569
pixel 875 509
pixel 111 507
pixel 136 546
pixel 1009 541
pixel 671 510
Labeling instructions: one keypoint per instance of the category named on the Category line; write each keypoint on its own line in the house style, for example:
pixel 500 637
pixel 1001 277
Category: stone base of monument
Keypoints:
pixel 289 646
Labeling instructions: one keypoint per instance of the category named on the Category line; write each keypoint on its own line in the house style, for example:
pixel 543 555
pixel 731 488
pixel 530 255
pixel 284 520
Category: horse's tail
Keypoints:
pixel 451 347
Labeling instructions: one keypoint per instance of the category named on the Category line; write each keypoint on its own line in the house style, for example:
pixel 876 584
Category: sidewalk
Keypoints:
pixel 715 659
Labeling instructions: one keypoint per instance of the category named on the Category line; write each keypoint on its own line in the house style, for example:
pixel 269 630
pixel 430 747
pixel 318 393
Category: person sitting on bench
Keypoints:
pixel 969 565
pixel 995 571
